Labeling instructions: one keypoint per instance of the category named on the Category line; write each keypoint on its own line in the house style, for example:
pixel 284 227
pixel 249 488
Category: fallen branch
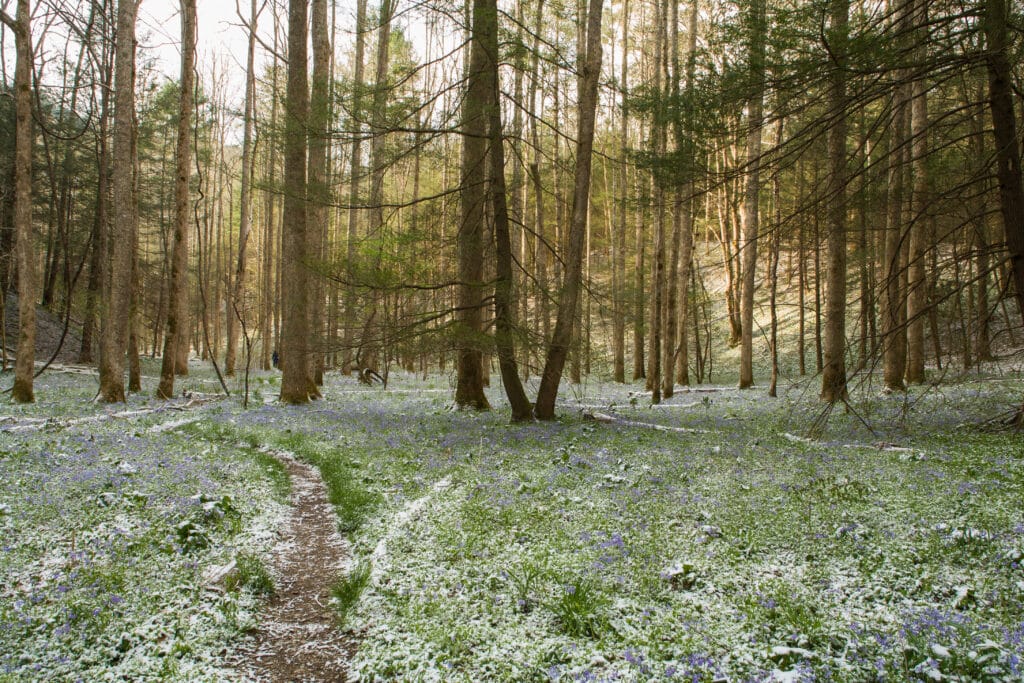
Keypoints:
pixel 610 419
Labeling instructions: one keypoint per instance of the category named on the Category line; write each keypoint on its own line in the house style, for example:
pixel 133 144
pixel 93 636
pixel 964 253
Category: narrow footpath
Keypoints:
pixel 298 638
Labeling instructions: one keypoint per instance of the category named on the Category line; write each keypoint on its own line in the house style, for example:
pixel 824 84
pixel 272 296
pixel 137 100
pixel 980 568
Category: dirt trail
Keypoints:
pixel 298 638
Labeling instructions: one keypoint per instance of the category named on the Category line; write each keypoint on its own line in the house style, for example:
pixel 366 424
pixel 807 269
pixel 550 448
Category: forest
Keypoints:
pixel 639 340
pixel 835 187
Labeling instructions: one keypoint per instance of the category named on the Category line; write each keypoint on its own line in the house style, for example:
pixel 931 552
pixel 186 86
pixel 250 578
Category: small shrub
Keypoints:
pixel 346 591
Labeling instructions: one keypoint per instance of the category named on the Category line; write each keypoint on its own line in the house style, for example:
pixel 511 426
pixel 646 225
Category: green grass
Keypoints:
pixel 347 590
pixel 347 491
pixel 251 573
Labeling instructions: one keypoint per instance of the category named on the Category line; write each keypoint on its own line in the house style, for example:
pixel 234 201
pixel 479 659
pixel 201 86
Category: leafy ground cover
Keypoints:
pixel 111 529
pixel 735 546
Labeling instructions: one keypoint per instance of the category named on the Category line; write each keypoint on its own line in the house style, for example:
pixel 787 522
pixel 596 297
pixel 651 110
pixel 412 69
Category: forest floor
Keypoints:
pixel 741 538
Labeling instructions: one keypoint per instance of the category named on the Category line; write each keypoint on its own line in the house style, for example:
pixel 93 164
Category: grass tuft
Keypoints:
pixel 251 574
pixel 347 590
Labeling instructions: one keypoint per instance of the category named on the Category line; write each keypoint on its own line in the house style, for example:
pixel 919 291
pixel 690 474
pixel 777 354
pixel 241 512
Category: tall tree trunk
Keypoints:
pixel 137 293
pixel 865 350
pixel 562 337
pixel 377 121
pixel 833 378
pixel 542 319
pixel 619 240
pixel 639 300
pixel 1004 129
pixel 24 368
pixel 748 248
pixel 801 335
pixel 504 300
pixel 659 136
pixel 318 193
pixel 773 267
pixel 469 389
pixel 178 286
pixel 894 333
pixel 297 384
pixel 237 308
pixel 97 260
pixel 117 281
pixel 355 181
pixel 268 330
pixel 684 201
pixel 668 362
pixel 917 288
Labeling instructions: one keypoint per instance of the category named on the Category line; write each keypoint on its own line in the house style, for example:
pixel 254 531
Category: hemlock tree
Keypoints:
pixel 24 368
pixel 177 289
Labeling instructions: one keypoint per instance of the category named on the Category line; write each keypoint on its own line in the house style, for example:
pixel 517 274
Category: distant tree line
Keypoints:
pixel 627 190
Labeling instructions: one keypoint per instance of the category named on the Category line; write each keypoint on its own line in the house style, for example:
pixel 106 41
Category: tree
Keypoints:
pixel 917 286
pixel 833 378
pixel 24 368
pixel 117 281
pixel 178 286
pixel 237 307
pixel 318 191
pixel 894 309
pixel 469 388
pixel 619 244
pixel 354 178
pixel 1004 130
pixel 561 338
pixel 504 302
pixel 756 28
pixel 297 385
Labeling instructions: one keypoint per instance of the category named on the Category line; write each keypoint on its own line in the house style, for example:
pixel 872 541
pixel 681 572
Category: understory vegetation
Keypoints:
pixel 734 543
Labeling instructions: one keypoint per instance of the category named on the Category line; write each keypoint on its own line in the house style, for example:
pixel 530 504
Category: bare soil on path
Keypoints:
pixel 298 638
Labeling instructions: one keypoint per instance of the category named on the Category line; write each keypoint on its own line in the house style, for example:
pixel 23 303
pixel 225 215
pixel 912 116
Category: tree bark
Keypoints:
pixel 24 367
pixel 469 390
pixel 684 204
pixel 1004 129
pixel 894 333
pixel 748 247
pixel 833 377
pixel 318 192
pixel 639 300
pixel 100 225
pixel 178 286
pixel 917 287
pixel 268 330
pixel 297 385
pixel 117 281
pixel 355 181
pixel 237 304
pixel 619 240
pixel 562 336
pixel 504 299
